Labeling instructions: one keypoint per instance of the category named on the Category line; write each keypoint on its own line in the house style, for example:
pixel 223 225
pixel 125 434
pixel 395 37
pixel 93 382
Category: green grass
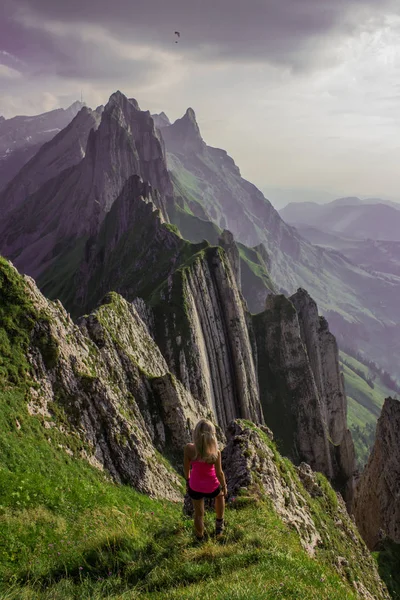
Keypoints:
pixel 364 404
pixel 388 560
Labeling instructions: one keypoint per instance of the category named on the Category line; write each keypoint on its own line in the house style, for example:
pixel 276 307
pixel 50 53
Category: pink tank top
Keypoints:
pixel 203 477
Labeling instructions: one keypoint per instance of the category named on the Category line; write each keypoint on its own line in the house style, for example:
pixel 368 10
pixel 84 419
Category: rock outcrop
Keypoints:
pixel 323 355
pixel 132 253
pixel 227 242
pixel 201 328
pixel 289 396
pixel 184 135
pixel 377 497
pixel 255 471
pixel 250 463
pixel 301 388
pixel 161 120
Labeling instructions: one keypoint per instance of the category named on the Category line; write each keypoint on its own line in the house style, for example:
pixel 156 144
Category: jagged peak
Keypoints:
pixel 119 99
pixel 184 135
pixel 161 120
pixel 76 106
pixel 134 103
pixel 190 114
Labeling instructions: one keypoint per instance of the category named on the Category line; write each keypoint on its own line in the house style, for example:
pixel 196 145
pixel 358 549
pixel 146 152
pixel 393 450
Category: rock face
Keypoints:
pixel 184 135
pixel 249 462
pixel 111 381
pixel 22 136
pixel 254 470
pixel 161 120
pixel 323 354
pixel 66 149
pixel 288 393
pixel 227 242
pixel 201 328
pixel 377 497
pixel 308 418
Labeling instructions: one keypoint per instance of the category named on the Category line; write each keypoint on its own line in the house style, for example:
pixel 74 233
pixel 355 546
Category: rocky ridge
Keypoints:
pixel 377 497
pixel 110 380
pixel 303 500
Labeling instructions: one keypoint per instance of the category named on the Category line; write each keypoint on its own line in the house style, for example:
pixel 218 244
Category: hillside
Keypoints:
pixel 366 391
pixel 348 217
pixel 372 255
pixel 69 531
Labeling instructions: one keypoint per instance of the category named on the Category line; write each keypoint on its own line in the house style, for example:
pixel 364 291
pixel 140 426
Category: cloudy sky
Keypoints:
pixel 303 94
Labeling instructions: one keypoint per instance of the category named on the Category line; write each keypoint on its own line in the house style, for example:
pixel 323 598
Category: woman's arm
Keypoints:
pixel 186 462
pixel 220 473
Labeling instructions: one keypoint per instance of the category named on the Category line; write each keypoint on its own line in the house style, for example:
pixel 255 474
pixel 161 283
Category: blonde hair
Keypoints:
pixel 205 441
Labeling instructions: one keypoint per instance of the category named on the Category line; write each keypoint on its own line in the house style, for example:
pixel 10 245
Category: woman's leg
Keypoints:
pixel 198 506
pixel 219 514
pixel 220 506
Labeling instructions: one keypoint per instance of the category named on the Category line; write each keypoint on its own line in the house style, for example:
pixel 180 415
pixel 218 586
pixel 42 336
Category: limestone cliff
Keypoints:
pixel 200 325
pixel 301 388
pixel 377 497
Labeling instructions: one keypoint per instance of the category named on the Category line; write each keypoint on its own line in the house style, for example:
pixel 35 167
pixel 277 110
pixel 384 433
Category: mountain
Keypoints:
pixel 162 336
pixel 348 217
pixel 91 410
pixel 361 307
pixel 21 137
pixel 102 225
pixel 67 209
pixel 161 120
pixel 372 255
pixel 65 150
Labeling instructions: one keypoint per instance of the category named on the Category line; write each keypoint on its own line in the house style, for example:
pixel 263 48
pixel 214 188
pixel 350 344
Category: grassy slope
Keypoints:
pixel 364 404
pixel 67 531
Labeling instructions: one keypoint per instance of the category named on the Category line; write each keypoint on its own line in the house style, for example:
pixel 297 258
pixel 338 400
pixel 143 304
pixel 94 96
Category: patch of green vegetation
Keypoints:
pixel 255 279
pixel 57 281
pixel 194 228
pixel 17 319
pixel 388 560
pixel 364 403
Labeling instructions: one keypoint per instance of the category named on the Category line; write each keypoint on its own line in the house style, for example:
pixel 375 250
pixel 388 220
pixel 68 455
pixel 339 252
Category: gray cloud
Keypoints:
pixel 300 34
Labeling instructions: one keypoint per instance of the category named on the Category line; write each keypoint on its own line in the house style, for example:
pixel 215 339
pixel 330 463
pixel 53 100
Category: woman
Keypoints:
pixel 204 476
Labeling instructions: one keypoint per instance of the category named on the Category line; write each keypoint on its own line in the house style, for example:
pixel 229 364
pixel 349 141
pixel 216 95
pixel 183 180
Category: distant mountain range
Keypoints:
pixel 22 136
pixel 349 217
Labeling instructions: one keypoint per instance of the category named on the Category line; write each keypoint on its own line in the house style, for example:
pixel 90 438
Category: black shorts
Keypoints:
pixel 200 495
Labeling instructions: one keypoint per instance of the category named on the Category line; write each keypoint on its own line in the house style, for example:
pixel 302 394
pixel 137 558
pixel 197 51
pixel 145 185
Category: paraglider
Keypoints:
pixel 177 33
